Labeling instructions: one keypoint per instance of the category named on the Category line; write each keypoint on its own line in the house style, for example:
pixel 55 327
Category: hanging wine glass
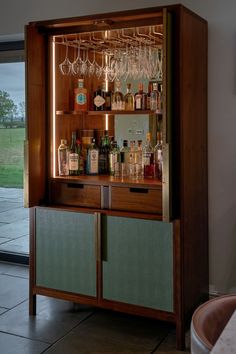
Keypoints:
pixel 66 65
pixel 76 63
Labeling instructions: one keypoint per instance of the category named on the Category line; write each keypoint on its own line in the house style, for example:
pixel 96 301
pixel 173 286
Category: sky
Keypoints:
pixel 12 80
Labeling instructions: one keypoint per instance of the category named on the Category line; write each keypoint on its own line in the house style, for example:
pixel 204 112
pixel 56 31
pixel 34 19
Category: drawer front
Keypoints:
pixel 76 194
pixel 136 199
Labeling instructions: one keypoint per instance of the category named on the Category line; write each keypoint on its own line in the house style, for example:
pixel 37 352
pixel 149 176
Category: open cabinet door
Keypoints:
pixel 167 114
pixel 35 143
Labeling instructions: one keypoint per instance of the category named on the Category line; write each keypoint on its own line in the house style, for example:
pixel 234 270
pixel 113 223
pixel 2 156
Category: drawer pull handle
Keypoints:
pixel 138 190
pixel 75 185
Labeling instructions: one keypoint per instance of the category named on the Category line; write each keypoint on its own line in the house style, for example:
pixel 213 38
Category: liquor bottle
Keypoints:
pixel 139 160
pixel 107 96
pixel 132 160
pixel 154 96
pixel 158 158
pixel 73 157
pixel 160 98
pixel 114 160
pixel 92 159
pixel 104 150
pixel 124 159
pixel 82 159
pixel 117 102
pixel 140 99
pixel 63 163
pixel 148 158
pixel 81 97
pixel 129 99
pixel 98 100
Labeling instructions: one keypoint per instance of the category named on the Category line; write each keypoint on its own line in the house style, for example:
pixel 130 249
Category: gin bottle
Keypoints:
pixel 63 165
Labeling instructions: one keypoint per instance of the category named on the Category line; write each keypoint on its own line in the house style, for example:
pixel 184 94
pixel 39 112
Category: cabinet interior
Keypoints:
pixel 129 54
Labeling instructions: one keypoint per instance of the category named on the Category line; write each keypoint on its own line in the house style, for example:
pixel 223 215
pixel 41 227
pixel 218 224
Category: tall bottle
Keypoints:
pixel 104 150
pixel 114 160
pixel 107 96
pixel 63 163
pixel 117 103
pixel 140 99
pixel 81 97
pixel 148 158
pixel 124 160
pixel 92 159
pixel 158 157
pixel 154 96
pixel 73 157
pixel 129 99
pixel 98 100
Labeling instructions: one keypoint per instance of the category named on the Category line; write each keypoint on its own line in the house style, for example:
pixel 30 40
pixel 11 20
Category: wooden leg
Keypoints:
pixel 32 305
pixel 180 336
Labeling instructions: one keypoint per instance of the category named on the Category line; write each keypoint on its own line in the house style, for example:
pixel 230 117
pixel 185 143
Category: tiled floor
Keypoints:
pixel 61 327
pixel 14 222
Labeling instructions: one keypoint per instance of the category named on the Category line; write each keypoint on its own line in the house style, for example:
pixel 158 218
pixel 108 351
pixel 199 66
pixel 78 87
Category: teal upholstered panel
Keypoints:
pixel 65 251
pixel 138 262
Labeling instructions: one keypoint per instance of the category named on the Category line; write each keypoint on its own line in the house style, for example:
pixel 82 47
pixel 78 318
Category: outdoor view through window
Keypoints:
pixel 13 217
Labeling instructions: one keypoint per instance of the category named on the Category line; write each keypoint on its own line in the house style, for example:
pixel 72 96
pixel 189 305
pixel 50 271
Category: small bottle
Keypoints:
pixel 158 158
pixel 81 97
pixel 154 95
pixel 148 158
pixel 129 99
pixel 117 103
pixel 140 99
pixel 73 157
pixel 107 96
pixel 114 160
pixel 92 159
pixel 63 164
pixel 98 100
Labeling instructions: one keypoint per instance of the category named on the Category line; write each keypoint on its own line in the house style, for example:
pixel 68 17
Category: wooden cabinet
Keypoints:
pixel 121 243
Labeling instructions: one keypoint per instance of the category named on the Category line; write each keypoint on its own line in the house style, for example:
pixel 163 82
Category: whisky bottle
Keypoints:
pixel 117 103
pixel 81 97
pixel 98 100
pixel 148 158
pixel 140 99
pixel 124 159
pixel 158 158
pixel 73 157
pixel 154 95
pixel 129 99
pixel 63 163
pixel 92 159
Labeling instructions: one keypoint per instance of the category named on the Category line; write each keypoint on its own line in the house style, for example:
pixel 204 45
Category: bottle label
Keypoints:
pixel 99 101
pixel 81 98
pixel 93 162
pixel 73 162
pixel 138 103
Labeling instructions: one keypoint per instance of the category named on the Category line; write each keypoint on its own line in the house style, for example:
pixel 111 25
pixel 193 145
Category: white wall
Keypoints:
pixel 221 107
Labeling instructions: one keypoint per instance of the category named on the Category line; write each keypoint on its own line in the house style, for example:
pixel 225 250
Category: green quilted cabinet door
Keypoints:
pixel 65 251
pixel 138 262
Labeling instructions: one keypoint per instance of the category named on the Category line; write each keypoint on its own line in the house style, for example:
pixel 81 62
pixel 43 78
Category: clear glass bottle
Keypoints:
pixel 139 160
pixel 148 158
pixel 154 96
pixel 73 157
pixel 129 99
pixel 114 160
pixel 81 97
pixel 63 163
pixel 92 159
pixel 140 99
pixel 117 102
pixel 104 149
pixel 158 157
pixel 132 162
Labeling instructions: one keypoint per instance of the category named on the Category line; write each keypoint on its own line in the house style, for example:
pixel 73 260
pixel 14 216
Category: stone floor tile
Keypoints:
pixel 14 215
pixel 16 270
pixel 18 345
pixel 15 229
pixel 18 245
pixel 168 346
pixel 13 290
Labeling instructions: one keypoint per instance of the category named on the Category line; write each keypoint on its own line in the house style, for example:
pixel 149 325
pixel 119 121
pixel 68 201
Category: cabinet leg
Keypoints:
pixel 180 336
pixel 32 305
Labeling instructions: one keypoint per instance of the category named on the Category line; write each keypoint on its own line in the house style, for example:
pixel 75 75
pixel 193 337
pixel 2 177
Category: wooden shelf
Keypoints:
pixel 96 113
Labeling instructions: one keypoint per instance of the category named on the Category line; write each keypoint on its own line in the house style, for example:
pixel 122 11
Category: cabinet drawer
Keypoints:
pixel 76 194
pixel 136 199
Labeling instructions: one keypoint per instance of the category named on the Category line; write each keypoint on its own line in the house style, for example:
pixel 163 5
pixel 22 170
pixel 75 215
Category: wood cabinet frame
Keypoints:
pixel 188 194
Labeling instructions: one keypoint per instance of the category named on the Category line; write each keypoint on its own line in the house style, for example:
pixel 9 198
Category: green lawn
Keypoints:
pixel 12 157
